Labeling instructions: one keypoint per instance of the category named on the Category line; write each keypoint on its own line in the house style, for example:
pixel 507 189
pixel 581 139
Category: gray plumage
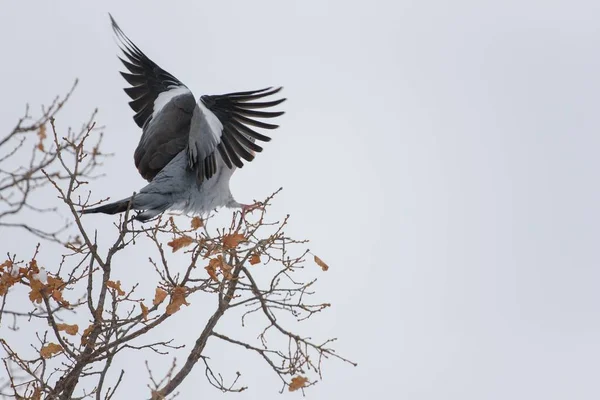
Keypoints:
pixel 188 150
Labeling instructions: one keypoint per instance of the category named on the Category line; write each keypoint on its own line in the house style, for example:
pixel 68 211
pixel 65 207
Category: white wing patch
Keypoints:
pixel 165 97
pixel 216 127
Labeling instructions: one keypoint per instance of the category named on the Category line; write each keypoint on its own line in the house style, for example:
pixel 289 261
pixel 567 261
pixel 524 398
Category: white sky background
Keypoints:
pixel 441 156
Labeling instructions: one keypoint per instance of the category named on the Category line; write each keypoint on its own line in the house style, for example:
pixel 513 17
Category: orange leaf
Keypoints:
pixel 34 267
pixel 42 132
pixel 180 242
pixel 6 264
pixel 220 264
pixel 298 382
pixel 35 295
pixel 37 393
pixel 116 286
pixel 255 259
pixel 159 296
pixel 144 311
pixel 321 264
pixel 86 333
pixel 50 349
pixel 55 286
pixel 197 223
pixel 70 329
pixel 177 300
pixel 232 241
pixel 211 268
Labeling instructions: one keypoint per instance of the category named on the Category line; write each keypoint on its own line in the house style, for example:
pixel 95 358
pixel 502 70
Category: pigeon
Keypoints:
pixel 188 150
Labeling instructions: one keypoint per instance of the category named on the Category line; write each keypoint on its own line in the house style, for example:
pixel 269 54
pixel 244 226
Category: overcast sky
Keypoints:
pixel 442 156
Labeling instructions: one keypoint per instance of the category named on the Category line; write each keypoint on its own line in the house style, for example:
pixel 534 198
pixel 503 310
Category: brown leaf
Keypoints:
pixel 70 329
pixel 8 279
pixel 180 242
pixel 116 286
pixel 197 223
pixel 42 132
pixel 37 394
pixel 219 263
pixel 321 264
pixel 55 287
pixel 298 382
pixel 255 259
pixel 6 264
pixel 144 311
pixel 50 349
pixel 211 268
pixel 35 295
pixel 86 334
pixel 232 241
pixel 159 296
pixel 177 300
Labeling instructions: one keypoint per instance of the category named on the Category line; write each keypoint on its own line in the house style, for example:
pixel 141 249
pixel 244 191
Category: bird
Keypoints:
pixel 188 149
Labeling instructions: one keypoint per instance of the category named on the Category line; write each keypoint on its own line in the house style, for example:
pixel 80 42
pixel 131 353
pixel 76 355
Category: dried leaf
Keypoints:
pixel 70 329
pixel 35 295
pixel 86 334
pixel 321 264
pixel 42 135
pixel 218 263
pixel 211 268
pixel 197 223
pixel 10 277
pixel 55 287
pixel 33 267
pixel 6 264
pixel 144 311
pixel 177 300
pixel 255 259
pixel 42 132
pixel 116 286
pixel 298 382
pixel 180 242
pixel 232 241
pixel 37 394
pixel 159 296
pixel 50 349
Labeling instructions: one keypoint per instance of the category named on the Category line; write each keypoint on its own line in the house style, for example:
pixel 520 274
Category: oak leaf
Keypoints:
pixel 50 349
pixel 144 311
pixel 116 286
pixel 86 334
pixel 197 223
pixel 180 242
pixel 219 263
pixel 177 300
pixel 55 287
pixel 37 393
pixel 298 382
pixel 70 329
pixel 232 241
pixel 255 259
pixel 6 264
pixel 159 296
pixel 321 264
pixel 35 295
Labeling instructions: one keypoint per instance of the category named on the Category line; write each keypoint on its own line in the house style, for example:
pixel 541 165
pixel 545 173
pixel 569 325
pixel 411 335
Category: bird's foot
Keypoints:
pixel 248 208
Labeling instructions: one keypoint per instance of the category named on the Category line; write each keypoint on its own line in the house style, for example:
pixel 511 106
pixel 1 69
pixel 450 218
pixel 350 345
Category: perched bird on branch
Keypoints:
pixel 188 150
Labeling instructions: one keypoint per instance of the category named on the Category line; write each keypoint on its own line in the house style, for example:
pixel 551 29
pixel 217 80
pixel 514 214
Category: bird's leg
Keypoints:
pixel 248 208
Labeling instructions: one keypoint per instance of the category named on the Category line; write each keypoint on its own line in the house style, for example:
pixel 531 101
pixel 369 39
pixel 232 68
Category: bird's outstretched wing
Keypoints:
pixel 163 107
pixel 230 117
pixel 218 126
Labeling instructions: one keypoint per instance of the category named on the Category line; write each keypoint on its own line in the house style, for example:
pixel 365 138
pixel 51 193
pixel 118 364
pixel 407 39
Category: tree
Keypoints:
pixel 81 320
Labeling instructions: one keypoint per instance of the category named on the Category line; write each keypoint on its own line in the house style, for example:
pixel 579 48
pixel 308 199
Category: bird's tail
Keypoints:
pixel 111 208
pixel 150 206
